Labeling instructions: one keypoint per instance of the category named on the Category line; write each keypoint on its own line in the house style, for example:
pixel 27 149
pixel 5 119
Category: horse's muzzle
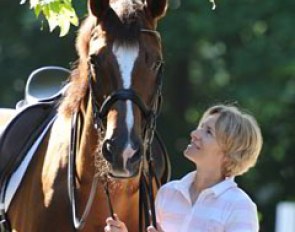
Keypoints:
pixel 124 163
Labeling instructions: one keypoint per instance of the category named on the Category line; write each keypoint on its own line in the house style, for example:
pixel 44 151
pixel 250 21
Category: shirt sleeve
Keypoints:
pixel 243 218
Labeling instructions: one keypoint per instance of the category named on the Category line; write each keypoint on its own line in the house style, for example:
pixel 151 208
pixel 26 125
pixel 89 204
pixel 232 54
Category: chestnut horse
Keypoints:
pixel 108 118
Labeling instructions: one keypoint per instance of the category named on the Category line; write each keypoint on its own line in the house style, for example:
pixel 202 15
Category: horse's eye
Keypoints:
pixel 156 66
pixel 95 60
pixel 92 59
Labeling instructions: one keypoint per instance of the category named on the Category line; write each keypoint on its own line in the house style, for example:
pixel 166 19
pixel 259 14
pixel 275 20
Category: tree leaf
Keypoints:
pixel 64 24
pixel 34 3
pixel 52 22
pixel 23 2
pixel 37 10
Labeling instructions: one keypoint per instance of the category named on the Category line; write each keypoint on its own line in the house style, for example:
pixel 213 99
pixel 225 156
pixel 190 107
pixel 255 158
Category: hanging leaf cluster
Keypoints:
pixel 58 13
pixel 61 13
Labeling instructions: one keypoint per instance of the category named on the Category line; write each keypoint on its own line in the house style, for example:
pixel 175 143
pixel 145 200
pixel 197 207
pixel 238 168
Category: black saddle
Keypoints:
pixel 44 88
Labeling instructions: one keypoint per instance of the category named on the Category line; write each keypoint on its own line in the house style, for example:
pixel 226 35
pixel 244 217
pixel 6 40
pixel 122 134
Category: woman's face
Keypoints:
pixel 204 149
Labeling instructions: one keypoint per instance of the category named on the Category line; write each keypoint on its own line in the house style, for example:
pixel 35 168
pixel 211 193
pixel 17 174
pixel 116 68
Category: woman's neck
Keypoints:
pixel 202 181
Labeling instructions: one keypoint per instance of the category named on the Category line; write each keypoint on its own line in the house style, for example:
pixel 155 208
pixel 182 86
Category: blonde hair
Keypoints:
pixel 239 136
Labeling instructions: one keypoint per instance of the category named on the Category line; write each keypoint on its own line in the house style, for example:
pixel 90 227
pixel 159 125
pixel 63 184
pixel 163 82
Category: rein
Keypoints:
pixel 146 196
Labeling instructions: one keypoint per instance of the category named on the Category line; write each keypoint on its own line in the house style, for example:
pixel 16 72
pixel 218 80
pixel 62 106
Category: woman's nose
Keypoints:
pixel 195 134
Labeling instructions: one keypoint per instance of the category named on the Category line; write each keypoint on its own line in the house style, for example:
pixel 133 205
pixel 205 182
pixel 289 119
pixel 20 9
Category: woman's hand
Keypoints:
pixel 153 229
pixel 115 225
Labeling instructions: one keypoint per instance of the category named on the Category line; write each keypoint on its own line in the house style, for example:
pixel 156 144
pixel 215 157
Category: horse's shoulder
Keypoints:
pixel 59 136
pixel 56 154
pixel 62 125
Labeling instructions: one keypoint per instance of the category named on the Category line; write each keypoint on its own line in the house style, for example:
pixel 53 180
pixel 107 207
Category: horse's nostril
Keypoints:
pixel 107 151
pixel 136 157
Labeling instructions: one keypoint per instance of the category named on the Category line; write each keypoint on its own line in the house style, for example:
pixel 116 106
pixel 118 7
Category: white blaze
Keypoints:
pixel 126 57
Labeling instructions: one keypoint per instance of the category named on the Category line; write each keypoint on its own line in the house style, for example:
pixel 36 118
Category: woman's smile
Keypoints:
pixel 193 145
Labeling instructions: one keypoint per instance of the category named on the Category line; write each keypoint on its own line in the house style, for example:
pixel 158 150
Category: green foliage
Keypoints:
pixel 58 13
pixel 61 13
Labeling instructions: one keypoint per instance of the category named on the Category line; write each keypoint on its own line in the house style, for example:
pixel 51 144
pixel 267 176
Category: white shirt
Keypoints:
pixel 222 208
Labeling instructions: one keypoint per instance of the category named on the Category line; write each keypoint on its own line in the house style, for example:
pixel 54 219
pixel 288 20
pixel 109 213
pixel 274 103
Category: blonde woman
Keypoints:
pixel 225 144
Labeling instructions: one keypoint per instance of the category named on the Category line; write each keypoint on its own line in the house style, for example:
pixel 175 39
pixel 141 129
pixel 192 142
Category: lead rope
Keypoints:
pixel 110 205
pixel 143 204
pixel 151 197
pixel 146 199
pixel 150 165
pixel 149 137
pixel 146 195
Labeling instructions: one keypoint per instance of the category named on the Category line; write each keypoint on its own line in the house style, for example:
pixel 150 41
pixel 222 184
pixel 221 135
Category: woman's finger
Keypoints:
pixel 116 217
pixel 113 229
pixel 115 225
pixel 110 221
pixel 107 228
pixel 159 227
pixel 151 229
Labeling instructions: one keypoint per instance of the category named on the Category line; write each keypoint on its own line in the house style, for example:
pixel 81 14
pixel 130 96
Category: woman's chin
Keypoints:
pixel 189 151
pixel 187 154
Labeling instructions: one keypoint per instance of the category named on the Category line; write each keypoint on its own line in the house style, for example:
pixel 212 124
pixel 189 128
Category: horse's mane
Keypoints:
pixel 123 27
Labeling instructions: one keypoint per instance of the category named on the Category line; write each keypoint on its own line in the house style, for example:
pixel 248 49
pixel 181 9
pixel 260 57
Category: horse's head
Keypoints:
pixel 125 58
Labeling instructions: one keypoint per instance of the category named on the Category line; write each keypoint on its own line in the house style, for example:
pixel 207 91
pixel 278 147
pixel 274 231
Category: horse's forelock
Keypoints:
pixel 123 23
pixel 126 9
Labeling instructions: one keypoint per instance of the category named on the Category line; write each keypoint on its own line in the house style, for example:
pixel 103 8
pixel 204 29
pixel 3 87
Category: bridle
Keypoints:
pixel 100 110
pixel 147 175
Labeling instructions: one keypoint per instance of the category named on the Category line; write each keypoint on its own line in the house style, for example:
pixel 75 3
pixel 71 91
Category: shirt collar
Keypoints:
pixel 222 186
pixel 184 185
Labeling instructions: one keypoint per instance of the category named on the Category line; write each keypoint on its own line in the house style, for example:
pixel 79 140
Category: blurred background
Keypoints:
pixel 243 53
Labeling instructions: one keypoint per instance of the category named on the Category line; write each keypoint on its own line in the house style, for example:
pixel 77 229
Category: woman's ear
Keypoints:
pixel 157 8
pixel 98 7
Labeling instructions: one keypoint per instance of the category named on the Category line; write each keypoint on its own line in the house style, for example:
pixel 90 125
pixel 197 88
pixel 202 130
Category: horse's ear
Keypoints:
pixel 157 7
pixel 98 7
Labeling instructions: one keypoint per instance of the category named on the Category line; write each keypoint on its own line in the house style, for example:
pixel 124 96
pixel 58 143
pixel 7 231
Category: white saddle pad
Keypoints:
pixel 18 175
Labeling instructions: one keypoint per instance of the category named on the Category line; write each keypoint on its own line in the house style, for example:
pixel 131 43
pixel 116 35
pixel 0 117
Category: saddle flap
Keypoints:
pixel 20 134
